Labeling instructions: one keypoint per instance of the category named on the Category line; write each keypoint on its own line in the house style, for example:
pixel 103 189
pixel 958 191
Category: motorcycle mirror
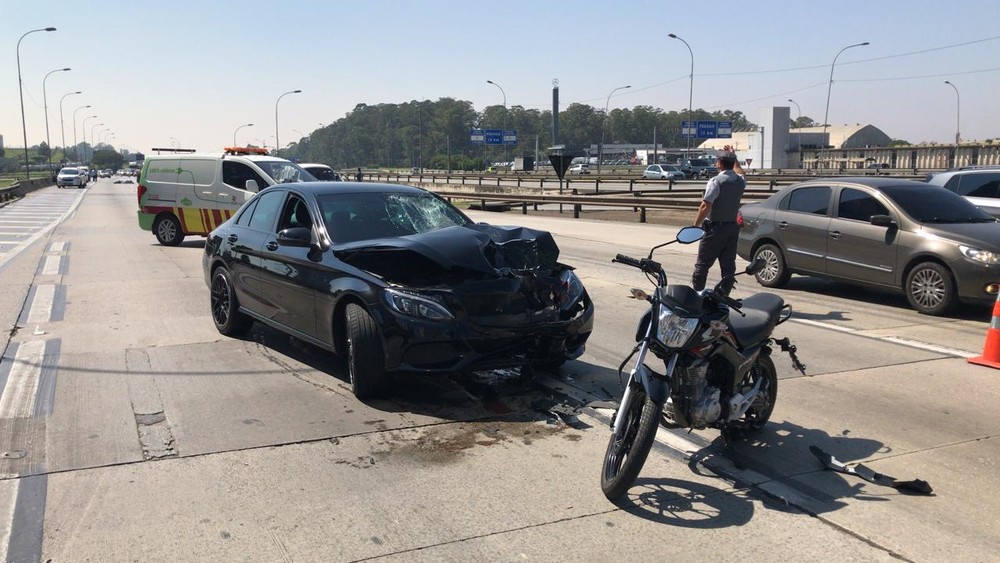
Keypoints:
pixel 687 235
pixel 756 266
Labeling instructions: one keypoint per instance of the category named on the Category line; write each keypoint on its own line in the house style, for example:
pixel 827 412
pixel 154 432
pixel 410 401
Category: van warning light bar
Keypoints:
pixel 246 150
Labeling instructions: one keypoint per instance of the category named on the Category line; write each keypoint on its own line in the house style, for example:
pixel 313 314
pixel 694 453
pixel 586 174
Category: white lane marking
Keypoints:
pixel 892 339
pixel 57 246
pixel 18 399
pixel 41 305
pixel 8 502
pixel 52 265
pixel 932 347
pixel 44 231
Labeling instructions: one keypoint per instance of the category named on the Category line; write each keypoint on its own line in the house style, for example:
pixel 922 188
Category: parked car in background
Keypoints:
pixel 981 186
pixel 395 279
pixel 662 172
pixel 322 172
pixel 934 246
pixel 580 168
pixel 71 177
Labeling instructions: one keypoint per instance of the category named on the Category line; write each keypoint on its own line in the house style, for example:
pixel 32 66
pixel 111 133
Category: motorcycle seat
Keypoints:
pixel 762 312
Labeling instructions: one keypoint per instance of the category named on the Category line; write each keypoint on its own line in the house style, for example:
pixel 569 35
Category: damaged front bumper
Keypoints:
pixel 469 344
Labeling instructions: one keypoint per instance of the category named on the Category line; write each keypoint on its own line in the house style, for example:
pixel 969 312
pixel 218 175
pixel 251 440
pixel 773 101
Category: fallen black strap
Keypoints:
pixel 917 486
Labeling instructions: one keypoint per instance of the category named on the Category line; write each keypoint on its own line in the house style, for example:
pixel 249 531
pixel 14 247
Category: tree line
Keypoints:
pixel 434 134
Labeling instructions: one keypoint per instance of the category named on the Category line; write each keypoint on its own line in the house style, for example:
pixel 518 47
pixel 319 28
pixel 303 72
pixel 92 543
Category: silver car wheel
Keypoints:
pixel 771 268
pixel 928 288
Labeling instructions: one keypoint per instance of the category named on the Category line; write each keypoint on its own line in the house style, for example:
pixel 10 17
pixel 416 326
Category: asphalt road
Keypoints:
pixel 131 430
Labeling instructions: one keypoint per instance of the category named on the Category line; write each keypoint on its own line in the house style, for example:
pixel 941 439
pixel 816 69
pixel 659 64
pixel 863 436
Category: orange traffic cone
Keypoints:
pixel 991 349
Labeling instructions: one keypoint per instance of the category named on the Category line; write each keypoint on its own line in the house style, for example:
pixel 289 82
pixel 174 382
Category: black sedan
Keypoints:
pixel 396 279
pixel 935 246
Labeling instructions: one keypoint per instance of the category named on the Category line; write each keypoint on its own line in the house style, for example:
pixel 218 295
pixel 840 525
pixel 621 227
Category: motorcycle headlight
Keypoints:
pixel 977 255
pixel 673 330
pixel 416 306
pixel 570 290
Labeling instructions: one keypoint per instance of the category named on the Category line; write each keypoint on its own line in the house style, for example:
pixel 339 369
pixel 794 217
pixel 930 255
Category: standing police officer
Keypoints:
pixel 717 215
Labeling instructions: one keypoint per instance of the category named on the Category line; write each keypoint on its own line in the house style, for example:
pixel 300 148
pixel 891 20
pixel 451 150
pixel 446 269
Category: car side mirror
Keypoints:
pixel 252 187
pixel 882 221
pixel 294 236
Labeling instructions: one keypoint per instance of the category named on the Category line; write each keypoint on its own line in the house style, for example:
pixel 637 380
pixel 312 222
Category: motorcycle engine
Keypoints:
pixel 705 405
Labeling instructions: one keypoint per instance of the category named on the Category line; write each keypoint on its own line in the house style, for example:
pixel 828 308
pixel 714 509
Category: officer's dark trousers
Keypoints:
pixel 719 244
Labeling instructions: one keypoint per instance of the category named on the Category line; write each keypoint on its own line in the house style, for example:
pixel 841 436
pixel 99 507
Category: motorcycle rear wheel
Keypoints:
pixel 627 452
pixel 760 411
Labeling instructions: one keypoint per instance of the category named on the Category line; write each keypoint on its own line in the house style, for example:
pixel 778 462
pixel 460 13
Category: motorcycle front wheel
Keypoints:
pixel 627 451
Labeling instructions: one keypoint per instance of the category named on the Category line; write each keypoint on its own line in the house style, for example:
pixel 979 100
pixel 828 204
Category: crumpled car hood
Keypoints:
pixel 475 251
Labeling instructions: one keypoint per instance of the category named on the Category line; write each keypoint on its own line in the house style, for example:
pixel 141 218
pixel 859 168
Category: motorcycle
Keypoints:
pixel 716 351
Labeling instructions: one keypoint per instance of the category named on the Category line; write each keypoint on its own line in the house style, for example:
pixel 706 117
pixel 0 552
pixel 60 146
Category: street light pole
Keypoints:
pixel 237 130
pixel 600 148
pixel 798 124
pixel 277 144
pixel 92 127
pixel 690 91
pixel 75 155
pixel 958 113
pixel 62 125
pixel 24 127
pixel 829 87
pixel 83 126
pixel 45 104
pixel 504 134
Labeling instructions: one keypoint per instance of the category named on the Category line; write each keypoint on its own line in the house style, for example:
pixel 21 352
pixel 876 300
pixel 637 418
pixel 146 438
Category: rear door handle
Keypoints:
pixel 835 234
pixel 783 225
pixel 233 238
pixel 272 246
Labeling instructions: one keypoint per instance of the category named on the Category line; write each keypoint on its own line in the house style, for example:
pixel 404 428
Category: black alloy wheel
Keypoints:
pixel 365 360
pixel 226 313
pixel 627 451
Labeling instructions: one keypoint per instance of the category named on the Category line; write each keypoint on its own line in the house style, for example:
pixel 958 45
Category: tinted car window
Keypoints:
pixel 295 214
pixel 979 185
pixel 268 204
pixel 236 174
pixel 244 219
pixel 935 205
pixel 814 200
pixel 859 205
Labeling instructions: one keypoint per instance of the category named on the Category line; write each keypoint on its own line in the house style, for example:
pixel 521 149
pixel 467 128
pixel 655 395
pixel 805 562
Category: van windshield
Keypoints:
pixel 284 172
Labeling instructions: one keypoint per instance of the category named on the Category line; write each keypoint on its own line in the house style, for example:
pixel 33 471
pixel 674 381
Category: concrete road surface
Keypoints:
pixel 130 430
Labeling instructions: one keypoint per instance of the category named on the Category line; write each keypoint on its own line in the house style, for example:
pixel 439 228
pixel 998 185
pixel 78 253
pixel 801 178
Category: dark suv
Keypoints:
pixel 980 185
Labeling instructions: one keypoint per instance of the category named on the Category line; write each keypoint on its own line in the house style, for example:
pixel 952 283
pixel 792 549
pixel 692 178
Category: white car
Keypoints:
pixel 71 177
pixel 662 172
pixel 579 169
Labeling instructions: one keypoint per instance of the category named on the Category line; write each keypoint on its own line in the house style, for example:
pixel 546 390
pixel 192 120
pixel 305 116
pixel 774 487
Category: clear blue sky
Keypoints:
pixel 193 71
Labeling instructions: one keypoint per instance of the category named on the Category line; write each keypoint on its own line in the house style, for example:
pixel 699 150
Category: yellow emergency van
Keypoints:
pixel 191 194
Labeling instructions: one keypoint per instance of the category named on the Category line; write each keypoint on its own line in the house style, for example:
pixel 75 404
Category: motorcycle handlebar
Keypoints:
pixel 734 304
pixel 628 260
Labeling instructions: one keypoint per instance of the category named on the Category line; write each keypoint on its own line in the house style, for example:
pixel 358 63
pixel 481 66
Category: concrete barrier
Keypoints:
pixel 20 188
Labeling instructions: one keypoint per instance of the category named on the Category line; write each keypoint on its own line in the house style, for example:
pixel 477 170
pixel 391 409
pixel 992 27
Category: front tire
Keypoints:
pixel 775 272
pixel 226 313
pixel 365 361
pixel 627 452
pixel 168 230
pixel 930 289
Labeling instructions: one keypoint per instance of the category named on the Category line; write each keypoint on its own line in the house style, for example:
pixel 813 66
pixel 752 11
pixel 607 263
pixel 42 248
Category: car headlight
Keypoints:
pixel 570 290
pixel 416 306
pixel 977 255
pixel 673 330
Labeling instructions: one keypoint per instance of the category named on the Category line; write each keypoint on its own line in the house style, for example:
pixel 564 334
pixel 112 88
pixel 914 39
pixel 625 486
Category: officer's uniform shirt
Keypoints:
pixel 724 192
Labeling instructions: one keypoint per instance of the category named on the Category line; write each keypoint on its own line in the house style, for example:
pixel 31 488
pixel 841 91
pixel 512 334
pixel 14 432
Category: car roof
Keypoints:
pixel 870 181
pixel 314 165
pixel 951 173
pixel 327 188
